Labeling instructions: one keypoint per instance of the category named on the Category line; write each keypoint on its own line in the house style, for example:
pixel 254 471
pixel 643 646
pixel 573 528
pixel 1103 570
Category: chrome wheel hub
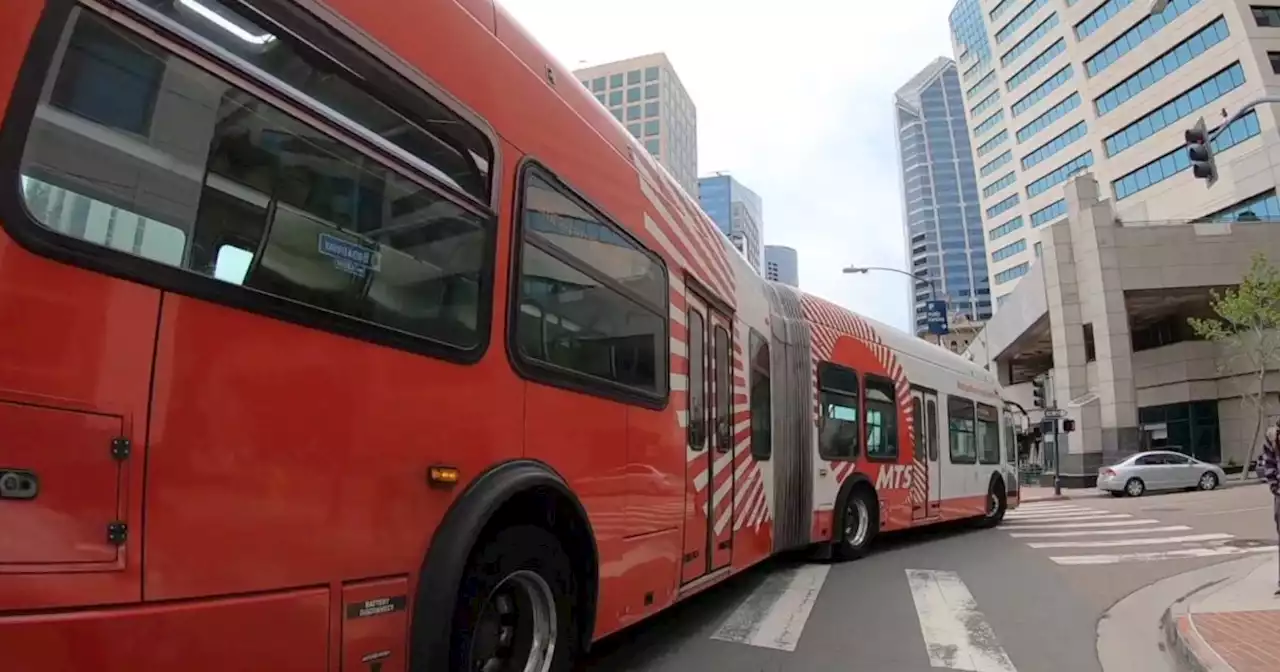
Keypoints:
pixel 516 631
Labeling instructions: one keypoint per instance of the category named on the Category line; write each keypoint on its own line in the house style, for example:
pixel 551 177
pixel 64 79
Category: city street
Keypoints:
pixel 1026 596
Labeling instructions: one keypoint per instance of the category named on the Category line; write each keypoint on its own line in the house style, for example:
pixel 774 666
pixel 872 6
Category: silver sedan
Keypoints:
pixel 1158 470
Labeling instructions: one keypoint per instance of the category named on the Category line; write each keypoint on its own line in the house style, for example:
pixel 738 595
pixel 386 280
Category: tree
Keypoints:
pixel 1248 327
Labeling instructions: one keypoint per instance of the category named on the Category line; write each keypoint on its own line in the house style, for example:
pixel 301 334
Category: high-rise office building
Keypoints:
pixel 738 212
pixel 941 215
pixel 781 265
pixel 1057 87
pixel 646 95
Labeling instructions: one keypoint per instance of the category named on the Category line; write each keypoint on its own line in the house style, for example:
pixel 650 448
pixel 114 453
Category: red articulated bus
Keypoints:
pixel 359 336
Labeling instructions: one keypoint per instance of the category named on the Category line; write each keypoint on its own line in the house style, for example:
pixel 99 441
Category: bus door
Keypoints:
pixel 709 432
pixel 934 471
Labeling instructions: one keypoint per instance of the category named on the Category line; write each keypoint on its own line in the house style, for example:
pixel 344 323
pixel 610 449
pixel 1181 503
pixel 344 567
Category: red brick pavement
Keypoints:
pixel 1249 641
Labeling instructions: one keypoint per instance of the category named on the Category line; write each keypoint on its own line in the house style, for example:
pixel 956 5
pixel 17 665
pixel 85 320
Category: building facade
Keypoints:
pixel 738 212
pixel 941 213
pixel 646 95
pixel 781 264
pixel 1053 88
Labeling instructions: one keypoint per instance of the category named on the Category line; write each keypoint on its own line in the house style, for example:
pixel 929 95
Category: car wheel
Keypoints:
pixel 1135 487
pixel 1208 481
pixel 997 505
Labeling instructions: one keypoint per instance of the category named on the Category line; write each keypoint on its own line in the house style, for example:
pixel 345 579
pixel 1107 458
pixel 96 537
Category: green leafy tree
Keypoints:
pixel 1248 326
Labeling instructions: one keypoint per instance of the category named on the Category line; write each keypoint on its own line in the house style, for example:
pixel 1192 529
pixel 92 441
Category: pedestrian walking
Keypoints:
pixel 1269 469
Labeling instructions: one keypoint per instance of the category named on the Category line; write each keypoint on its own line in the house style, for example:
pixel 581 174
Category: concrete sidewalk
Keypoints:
pixel 1230 625
pixel 1033 493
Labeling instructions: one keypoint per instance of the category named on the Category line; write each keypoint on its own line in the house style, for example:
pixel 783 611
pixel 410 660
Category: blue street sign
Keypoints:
pixel 935 315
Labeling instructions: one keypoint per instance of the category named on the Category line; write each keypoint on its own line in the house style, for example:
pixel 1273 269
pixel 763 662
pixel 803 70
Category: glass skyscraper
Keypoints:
pixel 738 212
pixel 941 212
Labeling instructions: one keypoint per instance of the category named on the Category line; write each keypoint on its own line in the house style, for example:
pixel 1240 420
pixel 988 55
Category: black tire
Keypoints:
pixel 997 506
pixel 511 553
pixel 1134 487
pixel 1212 481
pixel 1116 493
pixel 853 539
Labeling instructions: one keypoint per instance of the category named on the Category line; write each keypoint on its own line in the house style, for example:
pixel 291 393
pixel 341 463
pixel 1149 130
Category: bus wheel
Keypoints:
pixel 859 523
pixel 515 606
pixel 997 505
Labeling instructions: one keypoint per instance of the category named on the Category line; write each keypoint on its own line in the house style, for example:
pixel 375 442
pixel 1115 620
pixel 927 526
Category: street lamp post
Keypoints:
pixel 933 288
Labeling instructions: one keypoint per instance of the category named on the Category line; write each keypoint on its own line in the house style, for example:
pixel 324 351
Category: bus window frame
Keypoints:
pixel 951 444
pixel 858 448
pixel 550 374
pixel 60 17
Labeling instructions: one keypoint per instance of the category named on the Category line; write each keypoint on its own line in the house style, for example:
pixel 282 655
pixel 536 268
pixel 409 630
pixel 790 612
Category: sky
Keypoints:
pixel 795 100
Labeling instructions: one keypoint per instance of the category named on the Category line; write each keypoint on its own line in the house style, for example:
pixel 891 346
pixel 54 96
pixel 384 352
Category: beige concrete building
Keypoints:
pixel 1104 315
pixel 1057 87
pixel 646 95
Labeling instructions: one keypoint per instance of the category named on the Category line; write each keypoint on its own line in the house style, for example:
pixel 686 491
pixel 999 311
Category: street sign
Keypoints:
pixel 935 315
pixel 1055 413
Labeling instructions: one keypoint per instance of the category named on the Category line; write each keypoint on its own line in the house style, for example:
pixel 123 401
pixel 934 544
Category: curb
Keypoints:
pixel 1189 650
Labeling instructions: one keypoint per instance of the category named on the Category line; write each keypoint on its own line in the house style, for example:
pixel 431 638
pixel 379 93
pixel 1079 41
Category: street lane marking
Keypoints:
pixel 1181 553
pixel 1218 513
pixel 1086 533
pixel 1152 541
pixel 955 633
pixel 1075 517
pixel 1065 526
pixel 1040 512
pixel 774 614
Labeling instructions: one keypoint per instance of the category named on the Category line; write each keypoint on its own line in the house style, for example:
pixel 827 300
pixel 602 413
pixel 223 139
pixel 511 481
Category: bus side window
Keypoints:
pixel 839 430
pixel 761 404
pixel 882 418
pixel 962 433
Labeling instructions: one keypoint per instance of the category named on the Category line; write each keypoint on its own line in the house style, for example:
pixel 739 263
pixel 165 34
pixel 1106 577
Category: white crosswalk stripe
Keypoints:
pixel 1077 535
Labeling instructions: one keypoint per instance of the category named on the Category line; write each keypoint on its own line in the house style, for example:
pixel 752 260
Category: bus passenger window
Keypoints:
pixel 604 298
pixel 960 420
pixel 761 407
pixel 988 434
pixel 882 419
pixel 839 430
pixel 138 151
pixel 917 424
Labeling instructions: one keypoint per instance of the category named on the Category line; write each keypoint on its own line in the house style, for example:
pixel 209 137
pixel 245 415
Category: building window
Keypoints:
pixel 1266 17
pixel 1029 41
pixel 1155 71
pixel 995 164
pixel 838 394
pixel 598 84
pixel 1012 273
pixel 1041 60
pixel 1009 250
pixel 761 407
pixel 633 95
pixel 1177 161
pixel 556 285
pixel 1139 33
pixel 633 112
pixel 962 432
pixel 602 99
pixel 617 113
pixel 1049 213
pixel 616 81
pixel 1090 353
pixel 1190 428
pixel 651 127
pixel 109 78
pixel 635 129
pixel 1191 100
pixel 1020 18
pixel 1053 114
pixel 1038 250
pixel 651 109
pixel 615 97
pixel 652 146
pixel 651 74
pixel 1057 144
pixel 633 77
pixel 1060 174
pixel 1002 206
pixel 1274 57
pixel 651 92
pixel 1041 92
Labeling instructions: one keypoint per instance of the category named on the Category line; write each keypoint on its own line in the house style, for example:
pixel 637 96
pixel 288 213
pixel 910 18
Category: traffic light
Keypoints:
pixel 1068 425
pixel 1200 151
pixel 1037 392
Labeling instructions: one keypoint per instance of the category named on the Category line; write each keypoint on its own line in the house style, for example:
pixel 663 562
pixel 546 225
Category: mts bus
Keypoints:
pixel 360 336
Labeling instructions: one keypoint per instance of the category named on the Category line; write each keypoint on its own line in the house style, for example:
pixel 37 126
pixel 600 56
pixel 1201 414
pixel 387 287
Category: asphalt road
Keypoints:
pixel 954 598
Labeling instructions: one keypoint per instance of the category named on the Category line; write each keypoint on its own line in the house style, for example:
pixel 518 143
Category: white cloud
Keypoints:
pixel 795 99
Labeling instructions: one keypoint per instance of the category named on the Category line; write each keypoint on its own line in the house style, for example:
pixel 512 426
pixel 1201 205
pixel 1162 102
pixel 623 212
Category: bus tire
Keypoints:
pixel 859 521
pixel 997 504
pixel 516 605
